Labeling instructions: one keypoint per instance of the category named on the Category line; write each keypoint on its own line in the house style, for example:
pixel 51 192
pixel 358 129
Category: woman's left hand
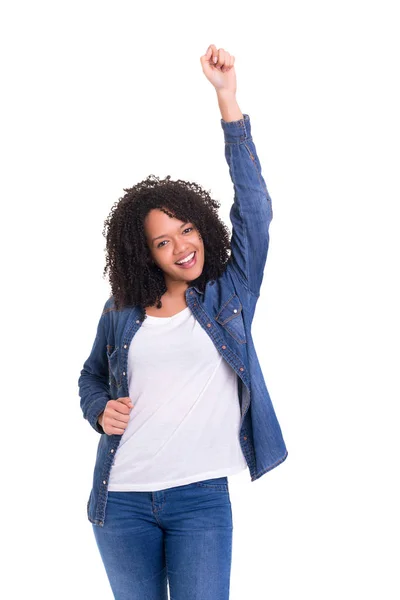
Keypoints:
pixel 218 67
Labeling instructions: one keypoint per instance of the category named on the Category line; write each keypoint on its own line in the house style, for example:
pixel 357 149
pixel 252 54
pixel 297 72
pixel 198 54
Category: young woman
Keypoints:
pixel 173 384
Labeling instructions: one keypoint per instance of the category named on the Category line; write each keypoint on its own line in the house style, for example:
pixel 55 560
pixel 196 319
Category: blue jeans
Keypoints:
pixel 181 535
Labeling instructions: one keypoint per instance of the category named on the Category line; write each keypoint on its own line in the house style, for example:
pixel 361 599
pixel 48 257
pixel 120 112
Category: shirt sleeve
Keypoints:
pixel 93 383
pixel 251 211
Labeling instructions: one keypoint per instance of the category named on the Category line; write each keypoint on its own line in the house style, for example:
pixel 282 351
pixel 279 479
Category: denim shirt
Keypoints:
pixel 225 311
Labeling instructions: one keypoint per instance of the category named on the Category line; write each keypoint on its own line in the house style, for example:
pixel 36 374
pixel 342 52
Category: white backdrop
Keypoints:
pixel 96 96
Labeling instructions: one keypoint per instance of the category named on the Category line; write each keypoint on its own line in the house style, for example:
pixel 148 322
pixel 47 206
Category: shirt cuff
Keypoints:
pixel 237 131
pixel 95 412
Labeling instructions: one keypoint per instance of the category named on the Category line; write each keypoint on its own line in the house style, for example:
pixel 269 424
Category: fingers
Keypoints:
pixel 119 407
pixel 208 54
pixel 225 60
pixel 116 416
pixel 206 59
pixel 214 54
pixel 113 426
pixel 221 59
pixel 114 421
pixel 114 430
pixel 125 400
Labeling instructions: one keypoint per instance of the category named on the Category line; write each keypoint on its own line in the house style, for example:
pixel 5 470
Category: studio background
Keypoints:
pixel 98 95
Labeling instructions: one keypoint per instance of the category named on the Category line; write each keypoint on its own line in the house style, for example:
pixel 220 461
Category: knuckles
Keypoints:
pixel 109 426
pixel 118 406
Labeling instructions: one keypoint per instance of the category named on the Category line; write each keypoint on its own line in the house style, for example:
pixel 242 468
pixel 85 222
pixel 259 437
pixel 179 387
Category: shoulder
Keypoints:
pixel 109 308
pixel 109 305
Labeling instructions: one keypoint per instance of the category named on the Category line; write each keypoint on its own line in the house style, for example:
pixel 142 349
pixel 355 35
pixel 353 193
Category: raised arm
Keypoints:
pixel 251 212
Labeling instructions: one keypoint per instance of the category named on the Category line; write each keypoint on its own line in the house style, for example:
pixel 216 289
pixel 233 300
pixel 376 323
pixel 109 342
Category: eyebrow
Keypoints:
pixel 165 235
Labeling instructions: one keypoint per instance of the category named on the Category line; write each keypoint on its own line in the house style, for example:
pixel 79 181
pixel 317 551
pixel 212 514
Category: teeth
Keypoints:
pixel 187 259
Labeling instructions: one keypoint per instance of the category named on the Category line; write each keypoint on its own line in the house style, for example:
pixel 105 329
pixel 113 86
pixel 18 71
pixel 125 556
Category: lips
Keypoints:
pixel 183 257
pixel 189 263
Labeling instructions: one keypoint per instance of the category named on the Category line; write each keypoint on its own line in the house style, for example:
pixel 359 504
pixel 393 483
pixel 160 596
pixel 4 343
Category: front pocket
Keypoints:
pixel 231 318
pixel 218 483
pixel 113 365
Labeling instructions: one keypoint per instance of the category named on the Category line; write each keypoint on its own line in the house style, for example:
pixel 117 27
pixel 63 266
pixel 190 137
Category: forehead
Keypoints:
pixel 156 220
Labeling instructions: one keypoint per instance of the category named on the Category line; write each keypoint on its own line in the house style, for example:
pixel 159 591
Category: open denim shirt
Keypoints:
pixel 225 311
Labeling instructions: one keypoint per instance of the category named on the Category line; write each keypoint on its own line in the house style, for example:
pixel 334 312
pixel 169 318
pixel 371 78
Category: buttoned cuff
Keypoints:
pixel 237 131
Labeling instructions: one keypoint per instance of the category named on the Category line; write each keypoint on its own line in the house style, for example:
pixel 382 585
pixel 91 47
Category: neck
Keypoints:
pixel 176 289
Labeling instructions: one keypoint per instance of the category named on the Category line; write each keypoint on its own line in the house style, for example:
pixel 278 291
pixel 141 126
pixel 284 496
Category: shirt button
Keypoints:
pixel 104 482
pixel 125 345
pixel 137 321
pixel 245 437
pixel 112 450
pixel 208 324
pixel 241 369
pixel 194 303
pixel 235 310
pixel 125 373
pixel 191 293
pixel 223 347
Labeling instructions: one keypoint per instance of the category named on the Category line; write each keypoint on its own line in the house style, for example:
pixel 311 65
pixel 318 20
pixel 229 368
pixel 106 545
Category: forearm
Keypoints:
pixel 228 106
pixel 93 405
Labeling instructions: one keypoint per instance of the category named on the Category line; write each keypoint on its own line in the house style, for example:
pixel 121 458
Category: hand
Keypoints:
pixel 115 417
pixel 218 67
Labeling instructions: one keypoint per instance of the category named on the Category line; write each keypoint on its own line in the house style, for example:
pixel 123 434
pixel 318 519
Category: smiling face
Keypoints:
pixel 171 240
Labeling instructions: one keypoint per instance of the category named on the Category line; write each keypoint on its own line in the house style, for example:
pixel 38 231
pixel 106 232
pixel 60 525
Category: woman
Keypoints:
pixel 173 383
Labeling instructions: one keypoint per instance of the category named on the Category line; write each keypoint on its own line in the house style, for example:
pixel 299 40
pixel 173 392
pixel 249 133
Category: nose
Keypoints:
pixel 180 247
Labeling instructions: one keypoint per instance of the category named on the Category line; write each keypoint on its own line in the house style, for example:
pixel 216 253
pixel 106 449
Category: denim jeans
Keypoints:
pixel 181 536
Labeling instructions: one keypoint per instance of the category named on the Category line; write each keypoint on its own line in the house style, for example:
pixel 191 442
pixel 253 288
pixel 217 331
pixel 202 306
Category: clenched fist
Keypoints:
pixel 218 67
pixel 115 417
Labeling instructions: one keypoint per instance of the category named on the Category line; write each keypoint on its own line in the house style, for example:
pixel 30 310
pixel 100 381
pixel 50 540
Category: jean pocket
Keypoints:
pixel 218 483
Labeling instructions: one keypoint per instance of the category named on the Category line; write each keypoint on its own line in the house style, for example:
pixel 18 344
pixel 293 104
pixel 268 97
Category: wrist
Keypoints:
pixel 225 92
pixel 228 105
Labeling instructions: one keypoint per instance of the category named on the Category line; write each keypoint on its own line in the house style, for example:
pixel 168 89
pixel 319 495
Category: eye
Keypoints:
pixel 160 244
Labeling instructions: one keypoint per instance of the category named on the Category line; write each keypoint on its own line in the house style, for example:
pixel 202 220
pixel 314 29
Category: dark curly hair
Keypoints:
pixel 134 277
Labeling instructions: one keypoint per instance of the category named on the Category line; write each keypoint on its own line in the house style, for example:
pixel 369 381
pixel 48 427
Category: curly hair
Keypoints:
pixel 134 277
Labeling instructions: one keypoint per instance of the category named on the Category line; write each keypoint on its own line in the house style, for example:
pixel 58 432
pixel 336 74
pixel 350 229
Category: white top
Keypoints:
pixel 184 426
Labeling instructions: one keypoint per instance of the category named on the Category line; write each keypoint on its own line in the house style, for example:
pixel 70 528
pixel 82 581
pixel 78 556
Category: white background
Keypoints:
pixel 96 96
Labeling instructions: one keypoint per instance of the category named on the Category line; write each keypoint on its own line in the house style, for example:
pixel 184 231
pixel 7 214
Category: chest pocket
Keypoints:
pixel 113 366
pixel 231 318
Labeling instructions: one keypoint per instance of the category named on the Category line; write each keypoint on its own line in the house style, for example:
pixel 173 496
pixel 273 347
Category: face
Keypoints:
pixel 170 240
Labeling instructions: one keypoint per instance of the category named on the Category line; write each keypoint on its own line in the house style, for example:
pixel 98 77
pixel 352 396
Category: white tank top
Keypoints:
pixel 184 426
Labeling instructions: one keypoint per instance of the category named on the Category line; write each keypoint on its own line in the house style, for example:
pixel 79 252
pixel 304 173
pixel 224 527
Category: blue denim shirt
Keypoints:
pixel 225 311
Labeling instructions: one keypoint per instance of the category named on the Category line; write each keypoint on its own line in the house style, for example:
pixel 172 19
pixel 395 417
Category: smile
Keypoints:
pixel 188 262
